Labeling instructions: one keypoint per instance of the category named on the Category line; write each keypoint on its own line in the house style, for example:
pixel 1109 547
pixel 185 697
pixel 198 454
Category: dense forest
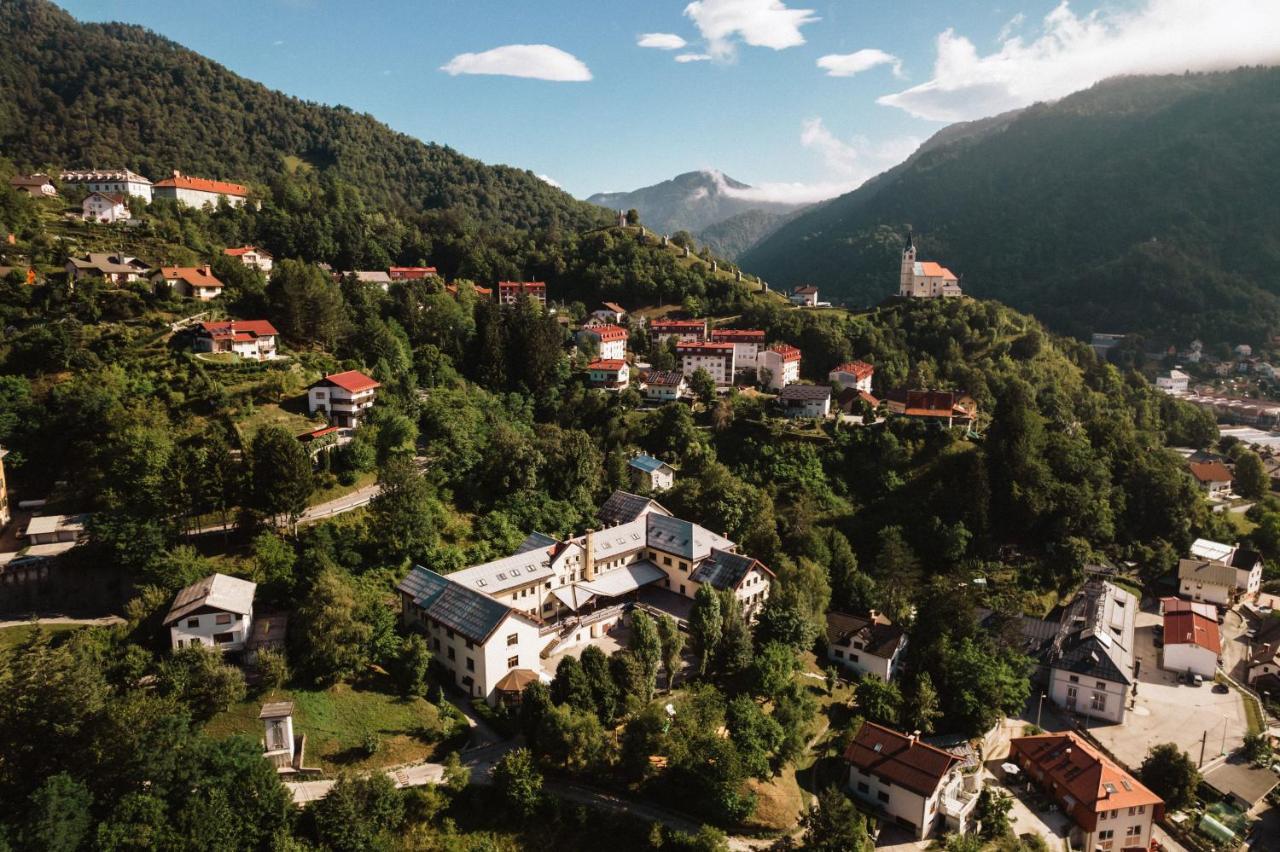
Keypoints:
pixel 1143 205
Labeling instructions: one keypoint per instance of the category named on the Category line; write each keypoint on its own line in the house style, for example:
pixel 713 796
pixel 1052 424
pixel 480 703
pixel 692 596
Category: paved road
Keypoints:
pixel 320 511
pixel 16 621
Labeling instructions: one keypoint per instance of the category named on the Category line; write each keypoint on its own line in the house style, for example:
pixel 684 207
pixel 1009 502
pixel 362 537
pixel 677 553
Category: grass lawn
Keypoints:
pixel 12 637
pixel 336 720
pixel 779 802
pixel 291 415
pixel 333 492
pixel 1243 525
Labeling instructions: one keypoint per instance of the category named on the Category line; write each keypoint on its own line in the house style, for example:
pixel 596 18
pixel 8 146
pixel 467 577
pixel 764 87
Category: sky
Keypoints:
pixel 802 100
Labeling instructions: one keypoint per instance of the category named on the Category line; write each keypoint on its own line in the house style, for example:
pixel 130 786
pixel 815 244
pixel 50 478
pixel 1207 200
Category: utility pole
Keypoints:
pixel 1203 739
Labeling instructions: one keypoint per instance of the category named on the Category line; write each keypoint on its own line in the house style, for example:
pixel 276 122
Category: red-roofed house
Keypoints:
pixel 692 331
pixel 190 282
pixel 252 257
pixel 715 358
pixel 1110 809
pixel 610 340
pixel 804 297
pixel 343 397
pixel 609 373
pixel 911 783
pixel 853 374
pixel 951 406
pixel 924 279
pixel 1213 478
pixel 411 273
pixel 747 343
pixel 782 361
pixel 199 192
pixel 509 292
pixel 1192 643
pixel 485 292
pixel 252 339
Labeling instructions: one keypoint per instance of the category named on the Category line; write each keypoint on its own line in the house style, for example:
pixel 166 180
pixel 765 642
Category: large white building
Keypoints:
pixel 216 611
pixel 715 358
pixel 104 209
pixel 110 182
pixel 200 192
pixel 1173 381
pixel 610 340
pixel 747 343
pixel 779 365
pixel 1090 659
pixel 924 279
pixel 343 397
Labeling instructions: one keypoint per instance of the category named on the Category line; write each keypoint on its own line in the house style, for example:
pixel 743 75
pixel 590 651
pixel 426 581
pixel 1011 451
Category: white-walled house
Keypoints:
pixel 910 783
pixel 609 374
pixel 104 209
pixel 853 374
pixel 610 341
pixel 216 611
pixel 779 366
pixel 747 343
pixel 1090 660
pixel 805 401
pixel 1246 563
pixel 200 192
pixel 190 282
pixel 665 386
pixel 610 312
pixel 110 181
pixel 651 474
pixel 1173 381
pixel 343 397
pixel 111 268
pixel 804 297
pixel 1192 643
pixel 869 645
pixel 686 331
pixel 251 339
pixel 1213 477
pixel 715 358
pixel 1207 580
pixel 252 257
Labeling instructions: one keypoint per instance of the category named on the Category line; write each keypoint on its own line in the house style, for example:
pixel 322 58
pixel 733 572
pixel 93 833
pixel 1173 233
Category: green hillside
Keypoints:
pixel 1144 204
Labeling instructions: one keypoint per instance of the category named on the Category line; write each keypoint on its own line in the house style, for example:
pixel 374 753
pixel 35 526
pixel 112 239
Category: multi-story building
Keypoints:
pixel 651 474
pixel 111 182
pixel 1090 659
pixel 343 397
pixel 113 269
pixel 36 186
pixel 924 279
pixel 200 192
pixel 665 385
pixel 104 209
pixel 779 366
pixel 805 400
pixel 684 331
pixel 609 374
pixel 510 292
pixel 1173 382
pixel 252 257
pixel 411 273
pixel 190 282
pixel 715 358
pixel 866 645
pixel 853 374
pixel 216 611
pixel 1192 643
pixel 804 297
pixel 251 339
pixel 1247 565
pixel 610 341
pixel 747 343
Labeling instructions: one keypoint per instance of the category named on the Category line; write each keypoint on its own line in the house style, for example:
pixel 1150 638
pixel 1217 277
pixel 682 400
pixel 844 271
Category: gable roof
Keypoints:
pixel 113 197
pixel 682 538
pixel 725 570
pixel 217 187
pixel 804 393
pixel 1095 634
pixel 612 365
pixel 1215 550
pixel 647 463
pixel 901 759
pixel 217 591
pixel 622 507
pixel 234 328
pixel 373 276
pixel 1207 571
pixel 612 307
pixel 352 381
pixel 929 269
pixel 1192 628
pixel 196 276
pixel 806 290
pixel 881 636
pixel 468 612
pixel 606 332
pixel 102 176
pixel 786 351
pixel 1213 471
pixel 109 263
pixel 243 250
pixel 1082 772
pixel 860 369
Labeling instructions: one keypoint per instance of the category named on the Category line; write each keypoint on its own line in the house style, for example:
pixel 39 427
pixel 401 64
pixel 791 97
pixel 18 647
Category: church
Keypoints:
pixel 924 279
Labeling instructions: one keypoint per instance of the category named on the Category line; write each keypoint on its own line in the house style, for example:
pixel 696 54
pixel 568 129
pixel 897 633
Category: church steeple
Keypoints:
pixel 910 242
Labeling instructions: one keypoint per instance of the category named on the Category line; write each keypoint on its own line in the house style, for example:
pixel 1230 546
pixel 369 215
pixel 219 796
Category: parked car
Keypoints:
pixel 1196 680
pixel 1221 688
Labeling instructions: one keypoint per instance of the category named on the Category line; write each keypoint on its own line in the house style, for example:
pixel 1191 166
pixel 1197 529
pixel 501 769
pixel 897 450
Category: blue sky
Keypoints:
pixel 753 91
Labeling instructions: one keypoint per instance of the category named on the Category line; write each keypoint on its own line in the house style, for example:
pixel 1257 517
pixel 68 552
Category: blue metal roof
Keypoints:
pixel 647 463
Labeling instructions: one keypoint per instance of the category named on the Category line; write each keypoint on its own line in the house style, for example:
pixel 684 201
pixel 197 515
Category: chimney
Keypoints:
pixel 177 173
pixel 589 556
pixel 873 614
pixel 915 736
pixel 206 269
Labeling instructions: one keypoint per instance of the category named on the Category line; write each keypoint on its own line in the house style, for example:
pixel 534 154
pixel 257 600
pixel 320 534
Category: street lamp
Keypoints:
pixel 1224 733
pixel 1039 709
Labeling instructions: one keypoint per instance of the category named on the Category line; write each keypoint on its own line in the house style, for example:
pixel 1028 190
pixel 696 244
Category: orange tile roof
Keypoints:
pixel 611 364
pixel 1070 766
pixel 196 276
pixel 242 251
pixel 1192 628
pixel 656 325
pixel 704 346
pixel 1214 471
pixel 936 270
pixel 218 187
pixel 861 369
pixel 901 759
pixel 403 272
pixel 352 381
pixel 786 350
pixel 607 333
pixel 737 335
pixel 234 328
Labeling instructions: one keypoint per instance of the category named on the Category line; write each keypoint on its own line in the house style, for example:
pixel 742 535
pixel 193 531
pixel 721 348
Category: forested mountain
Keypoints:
pixel 1143 204
pixel 111 95
pixel 712 206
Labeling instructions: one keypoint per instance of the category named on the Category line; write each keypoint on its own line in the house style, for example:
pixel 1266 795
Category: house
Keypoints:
pixel 1110 810
pixel 664 385
pixel 104 209
pixel 376 277
pixel 251 339
pixel 114 269
pixel 651 474
pixel 5 514
pixel 853 374
pixel 610 341
pixel 851 401
pixel 1247 563
pixel 510 292
pixel 1207 580
pixel 910 783
pixel 252 257
pixel 1243 785
pixel 805 401
pixel 37 186
pixel 1192 642
pixel 200 192
pixel 609 374
pixel 411 273
pixel 804 297
pixel 111 181
pixel 1263 665
pixel 191 282
pixel 779 366
pixel 1090 657
pixel 278 744
pixel 1213 478
pixel 747 343
pixel 715 358
pixel 623 507
pixel 57 529
pixel 485 292
pixel 924 279
pixel 684 331
pixel 1173 381
pixel 610 312
pixel 216 611
pixel 953 407
pixel 866 645
pixel 343 397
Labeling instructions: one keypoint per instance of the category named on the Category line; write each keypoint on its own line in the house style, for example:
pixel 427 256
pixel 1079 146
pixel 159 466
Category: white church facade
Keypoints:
pixel 924 279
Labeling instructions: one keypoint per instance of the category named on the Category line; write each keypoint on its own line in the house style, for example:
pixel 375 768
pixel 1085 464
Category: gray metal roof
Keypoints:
pixel 1095 635
pixel 1207 571
pixel 470 613
pixel 623 507
pixel 647 463
pixel 723 570
pixel 217 591
pixel 683 538
pixel 804 392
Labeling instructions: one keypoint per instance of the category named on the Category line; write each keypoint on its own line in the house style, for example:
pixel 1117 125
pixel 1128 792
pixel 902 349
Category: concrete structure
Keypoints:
pixel 805 401
pixel 200 192
pixel 111 181
pixel 609 374
pixel 343 397
pixel 216 611
pixel 909 782
pixel 747 343
pixel 1192 643
pixel 715 358
pixel 190 282
pixel 278 742
pixel 685 331
pixel 54 529
pixel 37 186
pixel 113 269
pixel 1090 658
pixel 804 297
pixel 1173 381
pixel 867 646
pixel 251 339
pixel 779 366
pixel 104 209
pixel 1207 580
pixel 650 474
pixel 510 292
pixel 610 341
pixel 1213 477
pixel 665 386
pixel 924 279
pixel 5 514
pixel 853 374
pixel 1110 810
pixel 252 257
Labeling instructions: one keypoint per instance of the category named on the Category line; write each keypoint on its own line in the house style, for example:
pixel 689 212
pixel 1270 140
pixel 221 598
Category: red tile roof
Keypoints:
pixel 196 276
pixel 901 759
pixel 786 350
pixel 411 272
pixel 606 333
pixel 934 270
pixel 1192 628
pixel 677 325
pixel 611 364
pixel 665 378
pixel 243 250
pixel 218 187
pixel 318 433
pixel 704 346
pixel 352 381
pixel 737 335
pixel 807 290
pixel 860 369
pixel 522 285
pixel 1214 471
pixel 256 328
pixel 480 291
pixel 1080 771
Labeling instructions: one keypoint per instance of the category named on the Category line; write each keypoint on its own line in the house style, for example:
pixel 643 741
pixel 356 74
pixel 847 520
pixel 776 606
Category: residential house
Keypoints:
pixel 37 186
pixel 1090 659
pixel 805 401
pixel 683 330
pixel 610 312
pixel 1247 787
pixel 252 257
pixel 377 277
pixel 200 192
pixel 622 507
pixel 104 209
pixel 1263 666
pixel 924 279
pixel 715 358
pixel 1173 381
pixel 191 282
pixel 111 182
pixel 483 292
pixel 1110 810
pixel 1207 580
pixel 411 273
pixel 853 374
pixel 651 474
pixel 5 514
pixel 343 397
pixel 114 269
pixel 510 292
pixel 951 407
pixel 216 611
pixel 779 366
pixel 1247 564
pixel 664 386
pixel 866 645
pixel 747 343
pixel 850 401
pixel 1192 642
pixel 609 374
pixel 57 529
pixel 804 297
pixel 251 339
pixel 1213 478
pixel 912 784
pixel 610 341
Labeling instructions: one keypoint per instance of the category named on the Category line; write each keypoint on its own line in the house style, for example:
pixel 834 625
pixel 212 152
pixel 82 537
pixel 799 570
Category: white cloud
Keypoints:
pixel 535 61
pixel 759 23
pixel 1073 52
pixel 661 41
pixel 550 180
pixel 848 64
pixel 277 42
pixel 1011 26
pixel 693 57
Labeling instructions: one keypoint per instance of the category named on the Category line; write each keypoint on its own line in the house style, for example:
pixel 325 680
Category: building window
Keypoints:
pixel 1104 839
pixel 1133 831
pixel 513 662
pixel 471 664
pixel 1099 702
pixel 839 655
pixel 513 639
pixel 863 788
pixel 882 796
pixel 452 655
pixel 448 633
pixel 222 618
pixel 1074 679
pixel 223 638
pixel 469 645
pixel 193 622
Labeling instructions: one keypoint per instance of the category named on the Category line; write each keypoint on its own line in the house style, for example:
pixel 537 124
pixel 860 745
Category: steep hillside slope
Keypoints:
pixel 1143 204
pixel 74 94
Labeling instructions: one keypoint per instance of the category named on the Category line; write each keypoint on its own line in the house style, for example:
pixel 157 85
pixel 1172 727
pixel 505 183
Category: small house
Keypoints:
pixel 610 341
pixel 665 386
pixel 1192 642
pixel 1173 381
pixel 216 611
pixel 1213 478
pixel 609 374
pixel 343 397
pixel 37 186
pixel 853 374
pixel 111 268
pixel 804 297
pixel 610 312
pixel 251 339
pixel 805 401
pixel 865 645
pixel 190 282
pixel 104 209
pixel 651 474
pixel 252 257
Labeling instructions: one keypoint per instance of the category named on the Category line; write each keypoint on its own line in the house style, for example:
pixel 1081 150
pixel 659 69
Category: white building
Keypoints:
pixel 747 343
pixel 216 611
pixel 1173 381
pixel 866 646
pixel 190 282
pixel 609 374
pixel 251 339
pixel 343 397
pixel 924 279
pixel 779 365
pixel 36 186
pixel 684 331
pixel 1213 477
pixel 57 529
pixel 200 192
pixel 853 374
pixel 1192 643
pixel 104 209
pixel 805 401
pixel 650 474
pixel 111 182
pixel 1207 580
pixel 1246 563
pixel 511 292
pixel 610 312
pixel 804 297
pixel 665 386
pixel 610 341
pixel 252 257
pixel 910 783
pixel 279 746
pixel 1090 660
pixel 715 358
